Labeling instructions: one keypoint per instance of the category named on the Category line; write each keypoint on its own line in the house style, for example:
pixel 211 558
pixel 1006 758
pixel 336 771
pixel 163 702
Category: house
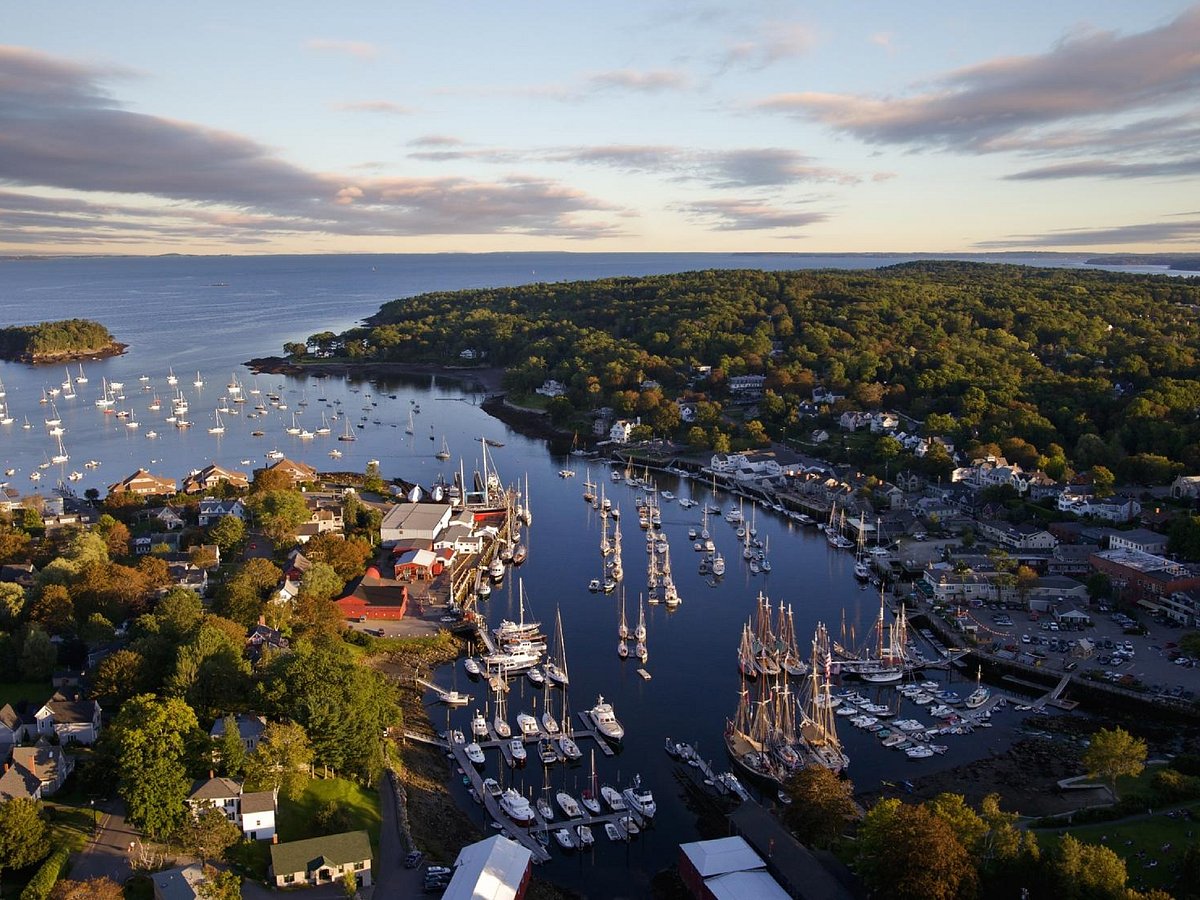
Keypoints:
pixel 1114 509
pixel 70 719
pixel 746 386
pixel 18 783
pixel 15 726
pixel 322 860
pixel 1185 487
pixel 206 479
pixel 1019 537
pixel 165 517
pixel 179 883
pixel 819 436
pixel 620 430
pixel 883 422
pixel 211 510
pixel 250 728
pixel 1182 607
pixel 46 762
pixel 143 484
pixel 496 868
pixel 253 812
pixel 415 564
pixel 551 388
pixel 299 473
pixel 947 586
pixel 374 598
pixel 1142 539
pixel 264 639
pixel 186 575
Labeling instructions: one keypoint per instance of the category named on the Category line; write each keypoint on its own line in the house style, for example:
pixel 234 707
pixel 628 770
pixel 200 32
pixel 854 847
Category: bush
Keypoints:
pixel 43 881
pixel 1187 763
pixel 1173 785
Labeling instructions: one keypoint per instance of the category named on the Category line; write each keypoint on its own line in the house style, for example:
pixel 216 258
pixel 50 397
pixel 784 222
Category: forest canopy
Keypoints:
pixel 65 339
pixel 1092 364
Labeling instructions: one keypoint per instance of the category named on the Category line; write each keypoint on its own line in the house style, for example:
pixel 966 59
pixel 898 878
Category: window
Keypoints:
pixel 289 879
pixel 359 865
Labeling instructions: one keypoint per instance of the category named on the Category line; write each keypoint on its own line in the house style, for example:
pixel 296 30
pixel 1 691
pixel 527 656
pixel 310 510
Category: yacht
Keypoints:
pixel 479 725
pixel 640 798
pixel 516 807
pixel 568 804
pixel 613 798
pixel 584 832
pixel 605 721
pixel 517 747
pixel 475 753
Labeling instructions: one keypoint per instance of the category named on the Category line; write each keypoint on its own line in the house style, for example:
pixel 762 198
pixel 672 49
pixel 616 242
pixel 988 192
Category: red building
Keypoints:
pixel 374 598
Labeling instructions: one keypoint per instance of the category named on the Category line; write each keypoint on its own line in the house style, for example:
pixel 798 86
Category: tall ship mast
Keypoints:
pixel 819 731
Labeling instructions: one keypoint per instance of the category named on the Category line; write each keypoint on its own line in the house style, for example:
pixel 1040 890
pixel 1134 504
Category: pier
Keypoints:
pixel 527 835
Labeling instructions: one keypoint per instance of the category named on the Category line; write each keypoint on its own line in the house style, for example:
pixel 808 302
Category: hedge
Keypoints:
pixel 43 881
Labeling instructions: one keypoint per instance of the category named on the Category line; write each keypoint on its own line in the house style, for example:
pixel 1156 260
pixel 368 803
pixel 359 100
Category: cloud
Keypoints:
pixel 745 215
pixel 650 82
pixel 375 106
pixel 981 107
pixel 357 49
pixel 882 39
pixel 1181 231
pixel 63 132
pixel 435 140
pixel 748 168
pixel 775 41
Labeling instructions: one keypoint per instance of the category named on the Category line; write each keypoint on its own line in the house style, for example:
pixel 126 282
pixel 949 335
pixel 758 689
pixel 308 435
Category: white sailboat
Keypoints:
pixel 408 429
pixel 172 378
pixel 81 378
pixel 556 667
pixel 218 428
pixel 61 456
pixel 199 382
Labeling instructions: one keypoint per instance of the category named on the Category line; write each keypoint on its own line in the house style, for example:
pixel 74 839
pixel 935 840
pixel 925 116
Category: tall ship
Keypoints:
pixel 886 658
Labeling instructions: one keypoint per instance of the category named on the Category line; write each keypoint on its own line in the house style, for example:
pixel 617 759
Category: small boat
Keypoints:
pixel 535 675
pixel 568 805
pixel 545 810
pixel 584 833
pixel 479 725
pixel 631 827
pixel 517 748
pixel 516 807
pixel 563 836
pixel 614 833
pixel 612 797
pixel 472 666
pixel 492 786
pixel 475 753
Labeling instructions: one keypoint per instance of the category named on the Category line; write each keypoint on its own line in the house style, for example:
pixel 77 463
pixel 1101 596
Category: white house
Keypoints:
pixel 621 429
pixel 551 388
pixel 71 720
pixel 210 510
pixel 747 385
pixel 253 813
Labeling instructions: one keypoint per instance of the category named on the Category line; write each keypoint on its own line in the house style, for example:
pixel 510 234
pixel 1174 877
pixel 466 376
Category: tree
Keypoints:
pixel 12 602
pixel 909 852
pixel 148 740
pixel 281 760
pixel 279 513
pixel 118 677
pixel 231 749
pixel 53 609
pixel 115 533
pixel 1087 870
pixel 966 824
pixel 220 884
pixel 93 889
pixel 822 805
pixel 227 533
pixel 347 556
pixel 1103 481
pixel 1190 643
pixel 321 582
pixel 38 656
pixel 1099 586
pixel 24 837
pixel 1027 580
pixel 208 833
pixel 1114 753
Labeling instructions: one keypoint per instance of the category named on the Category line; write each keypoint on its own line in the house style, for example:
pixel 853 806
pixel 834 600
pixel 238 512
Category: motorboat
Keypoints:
pixel 545 810
pixel 614 833
pixel 613 798
pixel 584 834
pixel 605 721
pixel 492 786
pixel 475 753
pixel 479 725
pixel 527 723
pixel 631 827
pixel 535 675
pixel 563 836
pixel 517 748
pixel 546 752
pixel 568 805
pixel 472 666
pixel 516 807
pixel 640 798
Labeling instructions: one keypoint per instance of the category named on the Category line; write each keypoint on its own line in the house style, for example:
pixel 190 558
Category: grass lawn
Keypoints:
pixel 360 805
pixel 33 691
pixel 1146 836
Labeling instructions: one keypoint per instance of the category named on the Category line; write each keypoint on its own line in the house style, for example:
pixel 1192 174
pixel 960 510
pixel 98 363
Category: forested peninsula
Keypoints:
pixel 1061 368
pixel 54 342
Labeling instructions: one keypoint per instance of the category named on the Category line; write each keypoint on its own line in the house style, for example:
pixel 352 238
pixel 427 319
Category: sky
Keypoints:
pixel 312 127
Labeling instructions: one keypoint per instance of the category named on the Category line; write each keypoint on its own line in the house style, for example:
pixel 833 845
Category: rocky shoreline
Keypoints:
pixel 57 359
pixel 488 379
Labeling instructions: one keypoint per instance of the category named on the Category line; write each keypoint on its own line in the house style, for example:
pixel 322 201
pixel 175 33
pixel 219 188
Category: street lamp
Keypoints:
pixel 95 822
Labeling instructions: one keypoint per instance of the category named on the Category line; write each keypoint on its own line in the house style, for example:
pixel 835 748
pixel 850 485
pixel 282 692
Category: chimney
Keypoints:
pixel 211 774
pixel 262 620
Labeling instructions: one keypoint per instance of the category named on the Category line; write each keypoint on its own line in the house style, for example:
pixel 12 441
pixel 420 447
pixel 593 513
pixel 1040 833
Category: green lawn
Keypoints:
pixel 361 805
pixel 33 691
pixel 296 819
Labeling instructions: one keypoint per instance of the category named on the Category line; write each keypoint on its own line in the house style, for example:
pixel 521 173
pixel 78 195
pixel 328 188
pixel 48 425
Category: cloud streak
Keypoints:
pixel 1023 103
pixel 355 49
pixel 1180 231
pixel 63 132
pixel 745 215
pixel 386 107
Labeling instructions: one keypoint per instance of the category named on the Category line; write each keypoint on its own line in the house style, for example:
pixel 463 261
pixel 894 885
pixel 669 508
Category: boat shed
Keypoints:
pixel 413 521
pixel 803 874
pixel 702 861
pixel 756 885
pixel 492 869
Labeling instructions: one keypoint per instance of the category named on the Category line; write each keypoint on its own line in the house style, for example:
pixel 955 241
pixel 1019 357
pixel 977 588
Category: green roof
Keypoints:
pixel 309 855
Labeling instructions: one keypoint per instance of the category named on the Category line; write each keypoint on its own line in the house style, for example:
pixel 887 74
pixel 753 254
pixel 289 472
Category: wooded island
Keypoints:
pixel 54 342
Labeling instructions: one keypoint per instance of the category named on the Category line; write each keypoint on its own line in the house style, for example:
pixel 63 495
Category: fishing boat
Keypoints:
pixel 640 799
pixel 612 797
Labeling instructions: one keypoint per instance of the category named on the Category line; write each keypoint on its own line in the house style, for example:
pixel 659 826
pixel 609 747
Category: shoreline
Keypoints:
pixel 488 378
pixel 56 359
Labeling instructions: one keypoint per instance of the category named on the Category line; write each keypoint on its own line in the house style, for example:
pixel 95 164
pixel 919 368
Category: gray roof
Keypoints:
pixel 215 789
pixel 247 726
pixel 72 712
pixel 258 801
pixel 333 849
pixel 18 783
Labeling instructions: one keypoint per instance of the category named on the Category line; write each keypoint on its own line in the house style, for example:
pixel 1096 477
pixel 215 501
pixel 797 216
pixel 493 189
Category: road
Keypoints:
pixel 108 855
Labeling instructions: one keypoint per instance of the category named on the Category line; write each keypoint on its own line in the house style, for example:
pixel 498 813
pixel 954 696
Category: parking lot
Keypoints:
pixel 1152 658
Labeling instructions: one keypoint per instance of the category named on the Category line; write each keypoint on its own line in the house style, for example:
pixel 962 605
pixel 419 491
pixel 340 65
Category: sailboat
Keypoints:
pixel 61 456
pixel 172 378
pixel 81 378
pixel 980 695
pixel 862 569
pixel 444 453
pixel 591 794
pixel 347 435
pixel 408 429
pixel 669 594
pixel 556 666
pixel 623 626
pixel 500 721
pixel 218 428
pixel 199 382
pixel 324 429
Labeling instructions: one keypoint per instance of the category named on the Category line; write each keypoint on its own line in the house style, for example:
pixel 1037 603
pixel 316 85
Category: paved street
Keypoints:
pixel 108 855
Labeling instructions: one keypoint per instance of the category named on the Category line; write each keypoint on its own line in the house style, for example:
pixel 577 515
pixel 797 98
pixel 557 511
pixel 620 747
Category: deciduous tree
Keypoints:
pixel 208 834
pixel 908 852
pixel 822 805
pixel 281 760
pixel 1113 753
pixel 23 833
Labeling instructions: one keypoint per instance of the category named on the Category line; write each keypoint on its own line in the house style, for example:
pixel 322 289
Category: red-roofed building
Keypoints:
pixel 374 598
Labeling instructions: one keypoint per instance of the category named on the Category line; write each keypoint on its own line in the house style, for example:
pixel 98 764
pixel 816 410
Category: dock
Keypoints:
pixel 527 835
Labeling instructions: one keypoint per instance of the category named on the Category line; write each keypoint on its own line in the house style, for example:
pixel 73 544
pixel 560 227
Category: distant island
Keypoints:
pixel 1183 263
pixel 55 342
